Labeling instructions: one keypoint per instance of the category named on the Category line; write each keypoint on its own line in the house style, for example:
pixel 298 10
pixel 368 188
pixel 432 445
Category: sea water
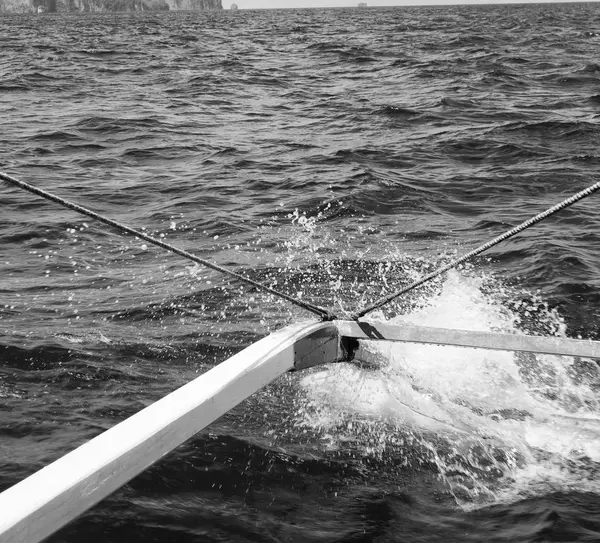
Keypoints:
pixel 336 155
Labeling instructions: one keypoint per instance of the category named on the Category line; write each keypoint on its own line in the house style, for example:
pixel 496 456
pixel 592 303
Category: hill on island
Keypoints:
pixel 24 6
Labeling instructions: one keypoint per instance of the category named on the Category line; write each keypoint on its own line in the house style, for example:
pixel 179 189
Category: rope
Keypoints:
pixel 512 232
pixel 323 313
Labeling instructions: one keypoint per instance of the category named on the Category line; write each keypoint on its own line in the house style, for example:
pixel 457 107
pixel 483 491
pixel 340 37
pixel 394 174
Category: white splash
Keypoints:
pixel 498 425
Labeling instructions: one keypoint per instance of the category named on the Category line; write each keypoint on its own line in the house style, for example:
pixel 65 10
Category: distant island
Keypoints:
pixel 51 6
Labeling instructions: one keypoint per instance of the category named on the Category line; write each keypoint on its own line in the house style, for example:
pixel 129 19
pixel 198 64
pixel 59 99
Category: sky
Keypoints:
pixel 277 4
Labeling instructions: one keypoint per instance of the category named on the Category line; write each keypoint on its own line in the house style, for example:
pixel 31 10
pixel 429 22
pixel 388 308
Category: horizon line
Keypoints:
pixel 422 4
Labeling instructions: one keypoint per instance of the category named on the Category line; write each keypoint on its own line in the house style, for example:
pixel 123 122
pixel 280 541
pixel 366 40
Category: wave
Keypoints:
pixel 495 424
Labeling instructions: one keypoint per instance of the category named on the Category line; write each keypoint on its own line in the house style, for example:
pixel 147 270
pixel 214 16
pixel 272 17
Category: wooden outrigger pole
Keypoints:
pixel 38 506
pixel 44 502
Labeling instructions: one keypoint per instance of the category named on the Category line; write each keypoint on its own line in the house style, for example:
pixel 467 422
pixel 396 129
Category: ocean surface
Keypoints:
pixel 336 155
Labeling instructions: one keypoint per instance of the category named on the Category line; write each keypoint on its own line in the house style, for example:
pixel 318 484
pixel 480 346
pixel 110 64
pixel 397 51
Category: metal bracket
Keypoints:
pixel 324 346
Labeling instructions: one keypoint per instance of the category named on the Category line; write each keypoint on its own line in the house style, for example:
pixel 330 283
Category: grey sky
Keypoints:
pixel 272 4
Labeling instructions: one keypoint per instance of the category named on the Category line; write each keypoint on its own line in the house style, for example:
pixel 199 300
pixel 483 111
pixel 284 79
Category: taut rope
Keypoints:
pixel 512 232
pixel 323 313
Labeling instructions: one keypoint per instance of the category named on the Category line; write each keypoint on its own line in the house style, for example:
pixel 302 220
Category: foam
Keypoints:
pixel 532 421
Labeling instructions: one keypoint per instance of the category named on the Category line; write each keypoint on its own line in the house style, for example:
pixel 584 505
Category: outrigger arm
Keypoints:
pixel 38 506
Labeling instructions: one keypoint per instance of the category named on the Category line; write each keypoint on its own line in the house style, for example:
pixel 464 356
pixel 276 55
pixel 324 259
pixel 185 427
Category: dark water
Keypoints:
pixel 334 154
